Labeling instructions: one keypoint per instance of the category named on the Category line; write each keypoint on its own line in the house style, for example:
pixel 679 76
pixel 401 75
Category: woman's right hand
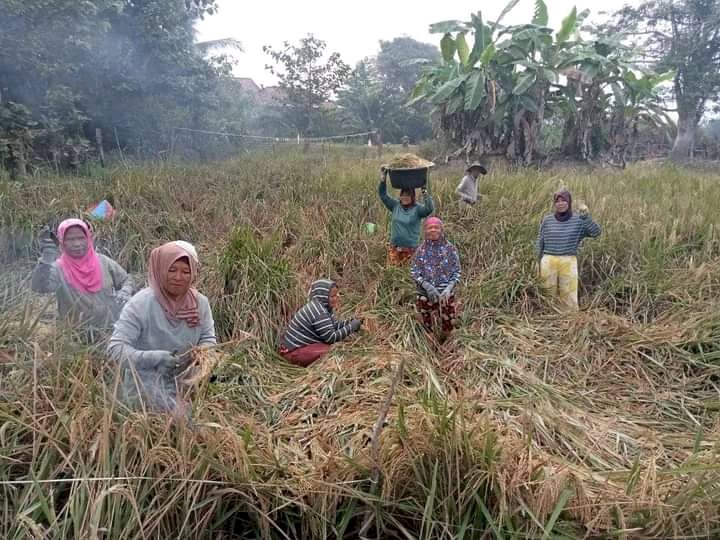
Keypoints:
pixel 432 292
pixel 48 245
pixel 356 324
pixel 163 361
pixel 383 174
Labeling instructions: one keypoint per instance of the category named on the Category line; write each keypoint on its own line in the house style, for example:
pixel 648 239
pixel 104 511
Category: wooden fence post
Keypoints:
pixel 99 143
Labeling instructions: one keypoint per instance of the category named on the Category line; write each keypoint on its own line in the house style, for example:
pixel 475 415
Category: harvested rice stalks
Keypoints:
pixel 408 161
pixel 203 362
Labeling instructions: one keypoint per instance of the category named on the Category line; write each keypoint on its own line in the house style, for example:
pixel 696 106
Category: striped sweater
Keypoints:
pixel 315 322
pixel 564 237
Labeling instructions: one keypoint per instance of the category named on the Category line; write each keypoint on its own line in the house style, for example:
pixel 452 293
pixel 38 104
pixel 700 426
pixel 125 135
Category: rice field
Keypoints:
pixel 527 423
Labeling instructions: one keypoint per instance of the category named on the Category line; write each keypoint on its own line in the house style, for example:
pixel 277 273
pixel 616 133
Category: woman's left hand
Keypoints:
pixel 446 294
pixel 122 296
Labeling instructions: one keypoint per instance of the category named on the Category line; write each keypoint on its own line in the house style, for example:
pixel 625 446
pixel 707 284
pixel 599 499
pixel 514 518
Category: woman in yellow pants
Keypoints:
pixel 559 238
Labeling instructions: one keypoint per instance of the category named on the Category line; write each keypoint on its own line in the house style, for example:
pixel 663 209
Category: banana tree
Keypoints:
pixel 463 87
pixel 495 96
pixel 539 57
pixel 636 101
pixel 583 101
pixel 491 98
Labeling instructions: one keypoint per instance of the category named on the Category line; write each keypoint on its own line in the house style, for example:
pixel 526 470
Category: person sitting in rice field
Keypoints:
pixel 313 329
pixel 559 238
pixel 436 271
pixel 467 190
pixel 405 221
pixel 90 288
pixel 157 329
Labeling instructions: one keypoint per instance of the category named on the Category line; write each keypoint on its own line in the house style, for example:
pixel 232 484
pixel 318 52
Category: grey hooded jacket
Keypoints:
pixel 315 322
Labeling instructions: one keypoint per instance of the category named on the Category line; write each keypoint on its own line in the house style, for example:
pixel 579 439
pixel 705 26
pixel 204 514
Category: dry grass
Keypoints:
pixel 408 161
pixel 527 424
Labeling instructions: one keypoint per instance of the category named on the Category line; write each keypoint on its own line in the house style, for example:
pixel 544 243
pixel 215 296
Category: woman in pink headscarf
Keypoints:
pixel 436 271
pixel 90 287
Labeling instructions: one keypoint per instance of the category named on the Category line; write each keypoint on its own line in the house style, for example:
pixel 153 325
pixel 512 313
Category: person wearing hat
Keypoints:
pixel 467 190
pixel 406 217
pixel 559 238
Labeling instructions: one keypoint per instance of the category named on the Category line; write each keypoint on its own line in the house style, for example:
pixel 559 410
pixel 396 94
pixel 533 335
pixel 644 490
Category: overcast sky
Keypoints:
pixel 354 28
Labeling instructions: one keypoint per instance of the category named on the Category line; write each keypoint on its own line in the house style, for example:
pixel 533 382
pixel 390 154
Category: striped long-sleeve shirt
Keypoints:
pixel 314 322
pixel 564 237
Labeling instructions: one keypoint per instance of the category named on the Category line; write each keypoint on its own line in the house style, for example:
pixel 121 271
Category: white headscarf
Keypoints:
pixel 188 248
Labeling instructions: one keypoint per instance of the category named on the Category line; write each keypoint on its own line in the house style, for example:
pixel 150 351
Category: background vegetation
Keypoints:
pixel 634 87
pixel 527 424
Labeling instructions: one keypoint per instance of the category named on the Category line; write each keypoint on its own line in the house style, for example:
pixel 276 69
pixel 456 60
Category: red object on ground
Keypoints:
pixel 304 356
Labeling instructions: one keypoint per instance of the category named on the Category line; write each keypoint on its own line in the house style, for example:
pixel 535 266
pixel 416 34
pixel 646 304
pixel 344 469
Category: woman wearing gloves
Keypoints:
pixel 157 327
pixel 90 288
pixel 436 271
pixel 406 217
pixel 314 328
pixel 559 238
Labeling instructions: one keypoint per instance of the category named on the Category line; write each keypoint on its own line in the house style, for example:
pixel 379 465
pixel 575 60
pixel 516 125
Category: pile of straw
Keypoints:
pixel 408 161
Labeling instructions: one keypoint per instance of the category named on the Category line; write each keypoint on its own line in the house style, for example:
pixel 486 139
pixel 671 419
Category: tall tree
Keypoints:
pixel 370 101
pixel 112 64
pixel 307 79
pixel 363 100
pixel 682 36
pixel 400 63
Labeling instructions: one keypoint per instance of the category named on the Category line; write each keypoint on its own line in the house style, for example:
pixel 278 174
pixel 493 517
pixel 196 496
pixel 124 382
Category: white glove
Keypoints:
pixel 447 293
pixel 163 361
pixel 432 293
pixel 48 246
pixel 122 296
pixel 355 324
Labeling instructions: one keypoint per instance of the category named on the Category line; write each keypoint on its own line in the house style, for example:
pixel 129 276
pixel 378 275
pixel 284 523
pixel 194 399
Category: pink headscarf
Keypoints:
pixel 433 221
pixel 84 274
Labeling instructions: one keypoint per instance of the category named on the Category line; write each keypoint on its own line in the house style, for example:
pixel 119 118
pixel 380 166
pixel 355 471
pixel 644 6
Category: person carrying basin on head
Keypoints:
pixel 314 327
pixel 559 238
pixel 157 330
pixel 90 288
pixel 436 272
pixel 406 217
pixel 467 190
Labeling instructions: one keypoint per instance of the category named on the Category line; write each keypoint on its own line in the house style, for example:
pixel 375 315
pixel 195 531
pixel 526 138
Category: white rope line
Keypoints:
pixel 144 478
pixel 274 139
pixel 109 479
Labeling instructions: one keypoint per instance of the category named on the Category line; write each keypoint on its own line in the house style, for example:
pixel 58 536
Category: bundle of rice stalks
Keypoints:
pixel 408 161
pixel 203 361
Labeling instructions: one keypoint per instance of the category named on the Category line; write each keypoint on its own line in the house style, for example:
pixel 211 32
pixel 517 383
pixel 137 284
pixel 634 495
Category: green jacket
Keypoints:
pixel 405 222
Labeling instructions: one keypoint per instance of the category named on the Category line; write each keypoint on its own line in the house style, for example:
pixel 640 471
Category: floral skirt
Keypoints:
pixel 445 313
